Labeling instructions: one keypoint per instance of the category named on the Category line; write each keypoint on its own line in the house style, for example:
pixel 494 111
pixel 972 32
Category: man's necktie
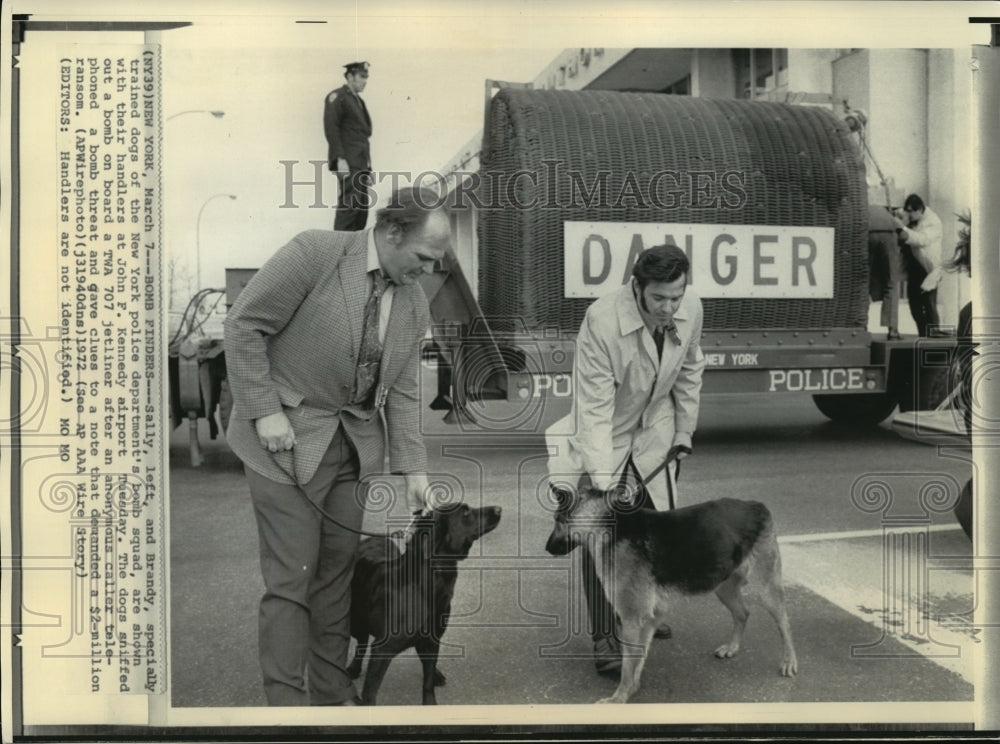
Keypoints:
pixel 370 354
pixel 671 332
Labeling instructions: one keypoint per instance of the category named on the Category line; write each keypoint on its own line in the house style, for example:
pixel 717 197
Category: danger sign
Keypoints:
pixel 764 261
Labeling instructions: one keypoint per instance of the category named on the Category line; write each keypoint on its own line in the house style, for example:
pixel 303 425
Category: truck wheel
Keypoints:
pixel 477 374
pixel 866 409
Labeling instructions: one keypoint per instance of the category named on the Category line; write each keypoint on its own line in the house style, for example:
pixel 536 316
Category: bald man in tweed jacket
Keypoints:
pixel 292 343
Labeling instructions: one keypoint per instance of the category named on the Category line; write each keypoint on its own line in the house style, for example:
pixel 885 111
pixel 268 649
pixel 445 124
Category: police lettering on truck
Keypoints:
pixel 816 380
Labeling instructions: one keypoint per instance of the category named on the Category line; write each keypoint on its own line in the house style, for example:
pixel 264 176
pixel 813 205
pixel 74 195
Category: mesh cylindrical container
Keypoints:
pixel 545 151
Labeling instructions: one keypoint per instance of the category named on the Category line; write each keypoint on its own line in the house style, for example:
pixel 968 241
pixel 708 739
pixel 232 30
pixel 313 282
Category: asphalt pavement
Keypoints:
pixel 867 627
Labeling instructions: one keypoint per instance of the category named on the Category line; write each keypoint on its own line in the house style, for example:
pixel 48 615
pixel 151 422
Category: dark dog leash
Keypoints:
pixel 672 455
pixel 395 534
pixel 324 514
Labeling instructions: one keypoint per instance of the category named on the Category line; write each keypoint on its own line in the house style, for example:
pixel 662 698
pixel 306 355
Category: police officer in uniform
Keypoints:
pixel 348 126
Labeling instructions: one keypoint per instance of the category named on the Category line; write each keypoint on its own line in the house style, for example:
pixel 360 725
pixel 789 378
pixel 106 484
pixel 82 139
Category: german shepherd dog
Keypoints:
pixel 645 557
pixel 403 599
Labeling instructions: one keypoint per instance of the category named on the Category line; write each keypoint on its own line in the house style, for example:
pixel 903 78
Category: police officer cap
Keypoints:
pixel 353 68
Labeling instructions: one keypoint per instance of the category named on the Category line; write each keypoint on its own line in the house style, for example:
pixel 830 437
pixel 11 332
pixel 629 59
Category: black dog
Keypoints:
pixel 404 599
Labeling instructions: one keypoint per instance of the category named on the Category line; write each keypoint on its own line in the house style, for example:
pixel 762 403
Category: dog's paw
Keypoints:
pixel 607 700
pixel 789 667
pixel 727 650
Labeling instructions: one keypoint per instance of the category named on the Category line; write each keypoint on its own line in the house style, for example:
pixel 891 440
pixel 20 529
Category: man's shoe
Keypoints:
pixel 893 335
pixel 663 632
pixel 607 656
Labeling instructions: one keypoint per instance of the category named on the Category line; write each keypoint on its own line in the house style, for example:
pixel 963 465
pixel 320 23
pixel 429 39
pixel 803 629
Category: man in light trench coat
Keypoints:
pixel 638 372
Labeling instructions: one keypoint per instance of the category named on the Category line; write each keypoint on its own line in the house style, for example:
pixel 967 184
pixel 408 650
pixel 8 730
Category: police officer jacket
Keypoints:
pixel 348 127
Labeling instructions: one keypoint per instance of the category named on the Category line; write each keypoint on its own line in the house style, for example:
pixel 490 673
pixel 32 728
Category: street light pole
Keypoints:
pixel 215 113
pixel 197 237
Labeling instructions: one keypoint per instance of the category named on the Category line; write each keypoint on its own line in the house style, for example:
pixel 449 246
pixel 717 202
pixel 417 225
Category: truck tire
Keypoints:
pixel 865 409
pixel 478 373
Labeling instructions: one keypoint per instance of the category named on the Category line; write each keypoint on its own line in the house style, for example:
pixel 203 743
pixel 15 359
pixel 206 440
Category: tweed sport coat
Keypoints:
pixel 292 341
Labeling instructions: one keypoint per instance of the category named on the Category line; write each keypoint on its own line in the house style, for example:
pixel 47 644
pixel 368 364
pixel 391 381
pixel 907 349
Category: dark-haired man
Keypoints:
pixel 322 346
pixel 348 128
pixel 637 373
pixel 920 237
